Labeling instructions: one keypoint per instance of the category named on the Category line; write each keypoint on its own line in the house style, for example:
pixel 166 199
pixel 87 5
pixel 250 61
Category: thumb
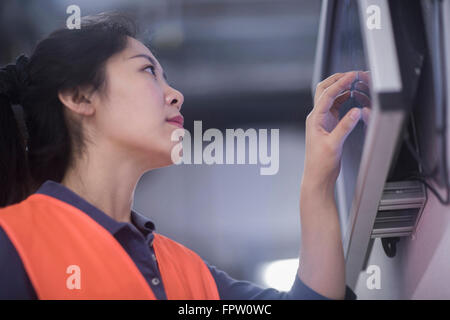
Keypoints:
pixel 346 125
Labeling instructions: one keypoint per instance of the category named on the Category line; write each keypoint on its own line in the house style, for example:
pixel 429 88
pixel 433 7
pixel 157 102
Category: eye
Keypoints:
pixel 151 68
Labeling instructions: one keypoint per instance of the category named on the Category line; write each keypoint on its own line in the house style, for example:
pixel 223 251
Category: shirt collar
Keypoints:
pixel 144 224
pixel 61 192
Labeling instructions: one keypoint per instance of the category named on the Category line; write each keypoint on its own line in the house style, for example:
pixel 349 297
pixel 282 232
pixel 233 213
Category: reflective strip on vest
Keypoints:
pixel 68 255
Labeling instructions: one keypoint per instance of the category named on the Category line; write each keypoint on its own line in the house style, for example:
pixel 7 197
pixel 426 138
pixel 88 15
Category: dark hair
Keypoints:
pixel 46 143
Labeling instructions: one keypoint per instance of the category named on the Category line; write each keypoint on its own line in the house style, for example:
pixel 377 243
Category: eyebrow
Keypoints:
pixel 152 61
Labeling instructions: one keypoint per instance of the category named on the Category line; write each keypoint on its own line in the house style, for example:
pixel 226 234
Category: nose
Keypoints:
pixel 175 98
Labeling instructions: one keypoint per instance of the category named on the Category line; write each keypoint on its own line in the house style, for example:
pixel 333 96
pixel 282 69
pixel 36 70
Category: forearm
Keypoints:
pixel 322 264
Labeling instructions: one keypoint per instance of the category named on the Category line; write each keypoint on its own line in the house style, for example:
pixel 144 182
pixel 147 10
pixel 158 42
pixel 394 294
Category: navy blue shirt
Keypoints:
pixel 137 240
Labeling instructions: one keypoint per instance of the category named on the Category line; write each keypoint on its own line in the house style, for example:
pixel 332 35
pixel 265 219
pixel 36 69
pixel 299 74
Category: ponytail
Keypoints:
pixel 14 169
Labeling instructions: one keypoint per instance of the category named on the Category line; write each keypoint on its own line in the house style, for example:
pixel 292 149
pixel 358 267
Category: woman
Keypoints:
pixel 98 114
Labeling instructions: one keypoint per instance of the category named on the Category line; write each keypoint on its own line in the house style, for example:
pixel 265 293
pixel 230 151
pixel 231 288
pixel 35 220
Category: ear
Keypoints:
pixel 78 100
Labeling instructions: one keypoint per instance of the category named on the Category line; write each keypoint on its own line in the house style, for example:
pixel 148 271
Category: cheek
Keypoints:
pixel 137 118
pixel 139 101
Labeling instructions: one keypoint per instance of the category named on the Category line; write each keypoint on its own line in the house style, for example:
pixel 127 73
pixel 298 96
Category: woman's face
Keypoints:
pixel 134 112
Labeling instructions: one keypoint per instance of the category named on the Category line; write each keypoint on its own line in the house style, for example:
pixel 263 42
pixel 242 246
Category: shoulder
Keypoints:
pixel 177 252
pixel 14 282
pixel 163 241
pixel 20 208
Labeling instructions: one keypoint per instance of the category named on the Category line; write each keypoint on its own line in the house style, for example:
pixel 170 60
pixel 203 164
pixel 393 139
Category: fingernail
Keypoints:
pixel 355 114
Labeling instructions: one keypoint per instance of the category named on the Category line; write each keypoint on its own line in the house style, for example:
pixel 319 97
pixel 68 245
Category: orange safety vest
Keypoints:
pixel 51 235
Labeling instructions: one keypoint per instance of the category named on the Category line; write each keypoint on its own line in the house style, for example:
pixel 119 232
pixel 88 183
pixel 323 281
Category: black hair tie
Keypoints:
pixel 14 80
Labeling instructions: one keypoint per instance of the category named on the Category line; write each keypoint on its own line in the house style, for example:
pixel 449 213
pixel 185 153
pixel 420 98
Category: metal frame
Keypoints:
pixel 320 66
pixel 323 42
pixel 446 36
pixel 380 49
pixel 382 136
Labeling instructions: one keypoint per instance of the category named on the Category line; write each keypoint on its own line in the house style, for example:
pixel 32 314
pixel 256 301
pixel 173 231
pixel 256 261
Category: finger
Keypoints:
pixel 345 126
pixel 365 76
pixel 366 114
pixel 360 93
pixel 340 99
pixel 361 98
pixel 326 83
pixel 335 77
pixel 361 86
pixel 328 96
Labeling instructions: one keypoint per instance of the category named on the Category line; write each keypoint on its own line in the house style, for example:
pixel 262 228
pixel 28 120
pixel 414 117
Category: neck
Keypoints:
pixel 107 184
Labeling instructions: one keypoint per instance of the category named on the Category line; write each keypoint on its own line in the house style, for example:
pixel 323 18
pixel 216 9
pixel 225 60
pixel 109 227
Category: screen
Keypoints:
pixel 346 53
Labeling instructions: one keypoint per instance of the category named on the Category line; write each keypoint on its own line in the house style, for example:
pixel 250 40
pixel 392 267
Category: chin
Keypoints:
pixel 160 154
pixel 160 164
pixel 164 159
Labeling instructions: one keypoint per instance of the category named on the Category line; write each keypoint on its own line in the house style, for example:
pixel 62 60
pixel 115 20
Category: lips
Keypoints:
pixel 178 121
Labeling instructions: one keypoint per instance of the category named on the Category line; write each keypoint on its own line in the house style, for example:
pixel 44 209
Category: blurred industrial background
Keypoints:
pixel 240 64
